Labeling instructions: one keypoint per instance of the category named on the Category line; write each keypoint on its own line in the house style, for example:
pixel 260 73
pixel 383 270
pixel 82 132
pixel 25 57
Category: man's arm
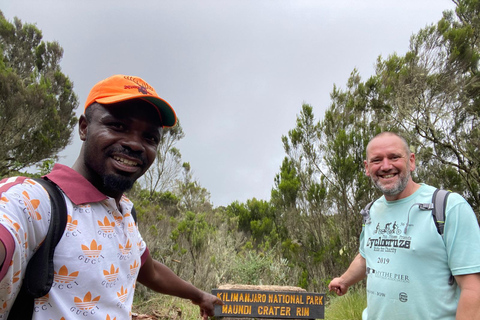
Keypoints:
pixel 355 272
pixel 469 303
pixel 160 278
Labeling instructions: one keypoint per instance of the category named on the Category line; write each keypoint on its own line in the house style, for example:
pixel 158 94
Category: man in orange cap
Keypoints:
pixel 101 254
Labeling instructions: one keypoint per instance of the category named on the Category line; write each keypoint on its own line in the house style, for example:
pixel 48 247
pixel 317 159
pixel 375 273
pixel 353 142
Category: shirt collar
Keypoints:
pixel 78 189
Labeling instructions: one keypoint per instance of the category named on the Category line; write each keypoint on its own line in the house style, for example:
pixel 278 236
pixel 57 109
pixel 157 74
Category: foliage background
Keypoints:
pixel 308 232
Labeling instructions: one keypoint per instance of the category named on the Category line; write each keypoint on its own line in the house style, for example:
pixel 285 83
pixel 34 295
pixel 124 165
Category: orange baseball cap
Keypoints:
pixel 119 88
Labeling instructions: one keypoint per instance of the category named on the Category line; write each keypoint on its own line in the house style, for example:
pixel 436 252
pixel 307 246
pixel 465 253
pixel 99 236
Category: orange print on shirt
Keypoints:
pixel 25 236
pixel 15 225
pixel 16 276
pixel 106 226
pixel 32 205
pixel 94 250
pixel 131 227
pixel 122 295
pixel 108 318
pixel 87 303
pixel 134 268
pixel 4 199
pixel 71 225
pixel 118 219
pixel 63 277
pixel 42 300
pixel 125 250
pixel 111 275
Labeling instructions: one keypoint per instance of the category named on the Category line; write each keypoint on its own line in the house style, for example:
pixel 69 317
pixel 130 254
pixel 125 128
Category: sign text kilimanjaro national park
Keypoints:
pixel 269 304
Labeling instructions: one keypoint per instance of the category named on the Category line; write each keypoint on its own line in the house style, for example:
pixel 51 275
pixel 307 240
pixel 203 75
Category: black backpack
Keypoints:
pixel 39 273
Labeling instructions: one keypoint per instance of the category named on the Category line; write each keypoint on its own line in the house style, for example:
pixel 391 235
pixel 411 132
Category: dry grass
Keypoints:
pixel 165 307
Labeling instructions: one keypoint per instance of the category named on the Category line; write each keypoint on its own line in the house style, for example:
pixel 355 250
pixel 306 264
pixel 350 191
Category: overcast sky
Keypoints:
pixel 236 71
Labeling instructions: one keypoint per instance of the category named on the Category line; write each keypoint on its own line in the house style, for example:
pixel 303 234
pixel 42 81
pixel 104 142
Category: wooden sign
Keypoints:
pixel 269 304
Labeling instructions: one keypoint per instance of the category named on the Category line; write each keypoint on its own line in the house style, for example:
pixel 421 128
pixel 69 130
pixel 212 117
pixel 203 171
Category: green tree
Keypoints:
pixel 190 236
pixel 287 186
pixel 37 101
pixel 163 175
pixel 322 185
pixel 258 219
pixel 193 197
pixel 433 91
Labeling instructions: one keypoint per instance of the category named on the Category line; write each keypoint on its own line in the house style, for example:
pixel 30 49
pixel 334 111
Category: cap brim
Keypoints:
pixel 169 118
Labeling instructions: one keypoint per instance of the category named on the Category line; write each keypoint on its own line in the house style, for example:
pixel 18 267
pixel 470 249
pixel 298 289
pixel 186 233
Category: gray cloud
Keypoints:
pixel 236 71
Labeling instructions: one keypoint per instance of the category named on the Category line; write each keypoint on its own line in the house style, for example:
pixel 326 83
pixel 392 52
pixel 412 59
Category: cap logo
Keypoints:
pixel 141 85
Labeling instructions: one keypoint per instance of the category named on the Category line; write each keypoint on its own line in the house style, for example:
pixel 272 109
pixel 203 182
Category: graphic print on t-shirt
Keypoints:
pixel 389 237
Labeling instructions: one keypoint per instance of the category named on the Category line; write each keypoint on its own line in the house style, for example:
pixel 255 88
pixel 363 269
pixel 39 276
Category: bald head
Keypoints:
pixel 389 134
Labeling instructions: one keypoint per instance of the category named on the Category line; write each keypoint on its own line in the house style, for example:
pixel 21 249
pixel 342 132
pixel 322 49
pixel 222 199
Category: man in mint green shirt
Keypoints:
pixel 406 261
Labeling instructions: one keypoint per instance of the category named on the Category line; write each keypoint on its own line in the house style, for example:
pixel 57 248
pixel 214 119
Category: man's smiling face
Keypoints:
pixel 389 164
pixel 120 144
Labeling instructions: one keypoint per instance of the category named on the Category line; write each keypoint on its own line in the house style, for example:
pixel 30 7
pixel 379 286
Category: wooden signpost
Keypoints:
pixel 269 304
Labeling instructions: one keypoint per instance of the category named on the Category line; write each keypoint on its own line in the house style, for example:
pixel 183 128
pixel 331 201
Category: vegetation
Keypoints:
pixel 347 307
pixel 37 101
pixel 308 231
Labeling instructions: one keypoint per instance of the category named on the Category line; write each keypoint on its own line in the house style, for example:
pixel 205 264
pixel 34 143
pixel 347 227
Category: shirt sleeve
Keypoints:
pixel 461 236
pixel 9 245
pixel 361 241
pixel 24 221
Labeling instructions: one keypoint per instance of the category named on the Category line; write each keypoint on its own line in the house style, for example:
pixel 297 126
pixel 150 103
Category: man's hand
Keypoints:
pixel 207 305
pixel 338 286
pixel 355 272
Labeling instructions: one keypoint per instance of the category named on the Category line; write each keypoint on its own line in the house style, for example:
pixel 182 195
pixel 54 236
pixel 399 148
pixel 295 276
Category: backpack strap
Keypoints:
pixel 365 212
pixel 439 200
pixel 134 214
pixel 39 273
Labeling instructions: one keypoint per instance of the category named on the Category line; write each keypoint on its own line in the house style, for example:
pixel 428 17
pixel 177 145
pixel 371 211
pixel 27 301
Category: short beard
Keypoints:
pixel 401 185
pixel 117 183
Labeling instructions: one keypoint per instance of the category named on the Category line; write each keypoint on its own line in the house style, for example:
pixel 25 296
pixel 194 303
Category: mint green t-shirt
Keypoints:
pixel 408 262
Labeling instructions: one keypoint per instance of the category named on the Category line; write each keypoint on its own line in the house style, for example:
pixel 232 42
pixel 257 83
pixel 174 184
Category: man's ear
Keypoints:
pixel 412 162
pixel 82 127
pixel 365 163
